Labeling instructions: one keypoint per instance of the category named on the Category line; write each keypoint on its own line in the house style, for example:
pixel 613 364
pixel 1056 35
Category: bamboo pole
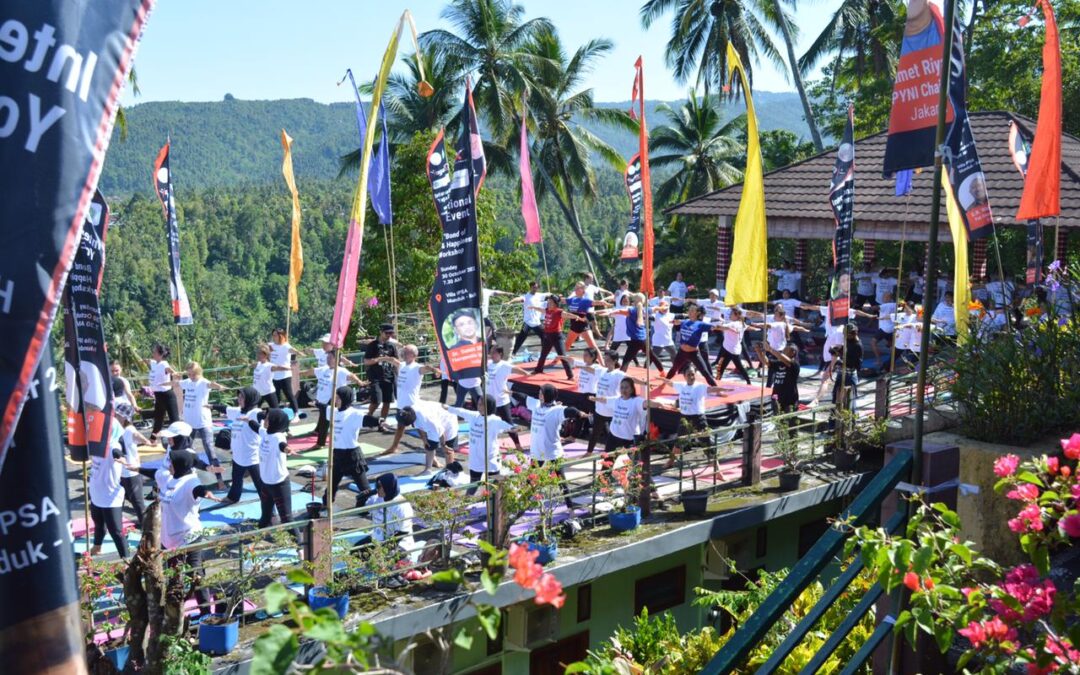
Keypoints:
pixel 899 277
pixel 547 276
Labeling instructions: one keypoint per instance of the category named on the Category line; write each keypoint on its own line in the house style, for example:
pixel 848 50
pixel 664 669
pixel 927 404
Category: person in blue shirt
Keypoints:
pixel 581 306
pixel 690 331
pixel 634 316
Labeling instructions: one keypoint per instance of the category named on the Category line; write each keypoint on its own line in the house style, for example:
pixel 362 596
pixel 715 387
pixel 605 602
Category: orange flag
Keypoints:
pixel 1042 188
pixel 647 286
pixel 296 255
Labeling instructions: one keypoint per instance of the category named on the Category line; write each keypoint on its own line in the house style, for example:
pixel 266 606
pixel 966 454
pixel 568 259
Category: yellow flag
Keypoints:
pixel 296 255
pixel 748 276
pixel 961 279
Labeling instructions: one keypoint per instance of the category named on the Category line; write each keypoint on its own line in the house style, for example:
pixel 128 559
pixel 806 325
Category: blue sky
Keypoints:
pixel 199 50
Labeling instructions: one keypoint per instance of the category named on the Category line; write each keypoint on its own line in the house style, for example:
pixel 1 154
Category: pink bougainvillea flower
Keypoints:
pixel 549 591
pixel 993 631
pixel 1024 492
pixel 373 302
pixel 1071 446
pixel 1028 520
pixel 1070 525
pixel 1062 649
pixel 1035 594
pixel 1075 488
pixel 1052 465
pixel 1006 466
pixel 527 571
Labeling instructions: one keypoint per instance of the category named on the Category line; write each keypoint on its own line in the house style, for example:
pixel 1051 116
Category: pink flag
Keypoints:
pixel 528 195
pixel 346 293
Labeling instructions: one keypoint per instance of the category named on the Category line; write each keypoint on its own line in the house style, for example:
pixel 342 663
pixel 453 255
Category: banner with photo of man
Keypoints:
pixel 89 393
pixel 163 183
pixel 456 294
pixel 631 241
pixel 842 199
pixel 913 118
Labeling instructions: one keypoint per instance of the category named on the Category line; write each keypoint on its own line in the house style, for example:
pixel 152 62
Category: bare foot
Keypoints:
pixel 95 550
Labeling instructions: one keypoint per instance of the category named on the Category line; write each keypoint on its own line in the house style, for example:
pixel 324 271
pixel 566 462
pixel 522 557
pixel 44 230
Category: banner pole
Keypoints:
pixel 645 498
pixel 179 358
pixel 330 472
pixel 547 276
pixel 899 277
pixel 393 277
pixel 1001 275
pixel 86 504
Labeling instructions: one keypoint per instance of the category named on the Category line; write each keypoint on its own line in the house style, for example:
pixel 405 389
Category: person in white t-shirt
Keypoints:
pixel 886 328
pixel 438 428
pixel 865 286
pixel 607 389
pixel 130 478
pixel 263 377
pixel 908 332
pixel 410 375
pixel 679 291
pixel 627 416
pixel 885 284
pixel 1001 292
pixel 663 340
pixel 788 279
pixel 548 418
pixel 160 381
pixel 532 315
pixel 484 451
pixel 276 492
pixel 244 443
pixel 589 370
pixel 731 346
pixel 328 378
pixel 944 316
pixel 394 521
pixel 992 323
pixel 121 386
pixel 281 355
pixel 107 495
pixel 789 303
pixel 691 402
pixel 499 371
pixel 327 346
pixel 196 390
pixel 349 457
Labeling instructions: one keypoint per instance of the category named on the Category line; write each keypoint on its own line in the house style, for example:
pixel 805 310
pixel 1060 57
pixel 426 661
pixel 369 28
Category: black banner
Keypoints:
pixel 163 186
pixel 842 199
pixel 455 296
pixel 961 159
pixel 86 365
pixel 64 65
pixel 632 177
pixel 1018 148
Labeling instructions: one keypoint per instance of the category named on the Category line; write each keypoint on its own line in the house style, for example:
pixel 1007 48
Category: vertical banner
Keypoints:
pixel 64 65
pixel 961 158
pixel 913 118
pixel 632 178
pixel 296 251
pixel 86 365
pixel 529 211
pixel 163 186
pixel 748 277
pixel 1042 190
pixel 842 199
pixel 455 296
pixel 638 96
pixel 961 278
pixel 1018 149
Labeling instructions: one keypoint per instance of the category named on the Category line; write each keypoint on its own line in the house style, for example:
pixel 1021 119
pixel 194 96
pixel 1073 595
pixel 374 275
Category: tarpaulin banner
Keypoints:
pixel 64 65
pixel 1018 149
pixel 181 307
pixel 87 378
pixel 842 199
pixel 961 157
pixel 913 118
pixel 455 296
pixel 632 178
pixel 529 211
pixel 637 95
pixel 1042 194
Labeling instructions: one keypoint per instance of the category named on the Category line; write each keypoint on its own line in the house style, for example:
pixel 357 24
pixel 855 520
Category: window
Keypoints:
pixel 660 591
pixel 809 533
pixel 584 602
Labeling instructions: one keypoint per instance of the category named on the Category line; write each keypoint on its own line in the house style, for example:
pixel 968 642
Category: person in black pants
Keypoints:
pixel 785 386
pixel 282 356
pixel 690 331
pixel 532 317
pixel 732 345
pixel 130 479
pixel 552 337
pixel 348 457
pixel 380 355
pixel 847 378
pixel 161 384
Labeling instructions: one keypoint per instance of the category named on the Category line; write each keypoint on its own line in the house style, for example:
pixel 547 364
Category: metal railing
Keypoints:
pixel 809 569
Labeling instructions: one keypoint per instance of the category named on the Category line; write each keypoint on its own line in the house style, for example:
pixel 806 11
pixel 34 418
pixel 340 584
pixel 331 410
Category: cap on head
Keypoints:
pixel 176 429
pixel 325 337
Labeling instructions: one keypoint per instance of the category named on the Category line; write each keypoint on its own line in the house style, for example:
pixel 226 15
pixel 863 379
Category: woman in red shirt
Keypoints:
pixel 552 336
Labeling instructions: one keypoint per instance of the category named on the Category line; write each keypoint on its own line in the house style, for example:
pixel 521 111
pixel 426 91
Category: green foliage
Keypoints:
pixel 182 657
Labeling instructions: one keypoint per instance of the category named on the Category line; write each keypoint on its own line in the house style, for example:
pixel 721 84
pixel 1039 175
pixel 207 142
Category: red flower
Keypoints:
pixel 992 631
pixel 928 584
pixel 1025 492
pixel 1066 471
pixel 1028 520
pixel 1052 465
pixel 1070 525
pixel 517 468
pixel 549 591
pixel 526 570
pixel 911 580
pixel 533 477
pixel 1035 594
pixel 1071 446
pixel 1006 466
pixel 1063 650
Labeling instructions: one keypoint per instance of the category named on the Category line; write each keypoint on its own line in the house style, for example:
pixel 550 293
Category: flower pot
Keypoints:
pixel 789 480
pixel 314 510
pixel 218 638
pixel 695 502
pixel 548 552
pixel 844 460
pixel 118 657
pixel 318 597
pixel 624 521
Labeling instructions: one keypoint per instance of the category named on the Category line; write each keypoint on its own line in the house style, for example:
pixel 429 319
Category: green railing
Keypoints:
pixel 808 570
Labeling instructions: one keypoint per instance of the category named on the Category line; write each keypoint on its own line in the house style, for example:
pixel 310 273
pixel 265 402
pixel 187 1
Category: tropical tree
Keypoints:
pixel 699 147
pixel 489 38
pixel 862 38
pixel 564 149
pixel 411 113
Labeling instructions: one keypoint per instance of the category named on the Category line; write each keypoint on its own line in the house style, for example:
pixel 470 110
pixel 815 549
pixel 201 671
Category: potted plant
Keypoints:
pixel 445 510
pixel 788 450
pixel 530 487
pixel 695 502
pixel 620 483
pixel 101 611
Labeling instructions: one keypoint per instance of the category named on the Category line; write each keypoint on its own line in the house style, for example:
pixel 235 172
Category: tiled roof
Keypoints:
pixel 796 201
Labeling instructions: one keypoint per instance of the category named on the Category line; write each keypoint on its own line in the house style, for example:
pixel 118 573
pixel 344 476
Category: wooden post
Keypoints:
pixel 751 455
pixel 723 251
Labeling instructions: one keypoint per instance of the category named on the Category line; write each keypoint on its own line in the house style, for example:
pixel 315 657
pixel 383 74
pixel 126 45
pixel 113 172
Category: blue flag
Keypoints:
pixel 379 179
pixel 903 182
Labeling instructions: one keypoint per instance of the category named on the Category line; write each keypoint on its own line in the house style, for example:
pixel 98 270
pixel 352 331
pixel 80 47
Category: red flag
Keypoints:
pixel 528 195
pixel 638 96
pixel 346 295
pixel 1042 188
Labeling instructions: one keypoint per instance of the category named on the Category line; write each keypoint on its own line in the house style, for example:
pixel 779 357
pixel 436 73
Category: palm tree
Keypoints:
pixel 489 37
pixel 702 151
pixel 563 150
pixel 861 37
pixel 701 29
pixel 409 111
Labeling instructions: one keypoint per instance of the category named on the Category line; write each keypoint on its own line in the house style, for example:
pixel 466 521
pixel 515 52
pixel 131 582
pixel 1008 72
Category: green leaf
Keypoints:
pixel 277 596
pixel 963 552
pixel 904 617
pixel 489 620
pixel 463 639
pixel 922 559
pixel 486 547
pixel 923 619
pixel 299 576
pixel 943 634
pixel 577 667
pixel 326 627
pixel 963 660
pixel 1028 477
pixel 274 651
pixel 451 576
pixel 490 585
pixel 1041 557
